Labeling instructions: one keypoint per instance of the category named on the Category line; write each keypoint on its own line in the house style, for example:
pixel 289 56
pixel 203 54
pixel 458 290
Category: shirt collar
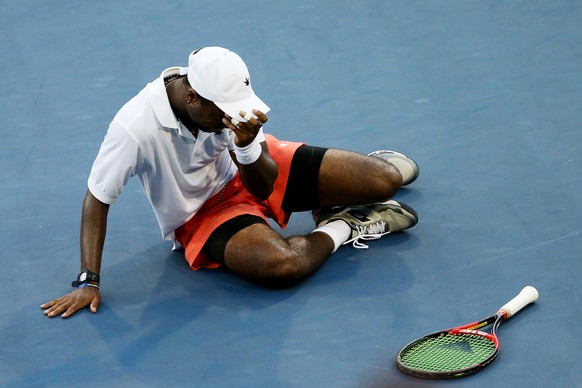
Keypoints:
pixel 161 104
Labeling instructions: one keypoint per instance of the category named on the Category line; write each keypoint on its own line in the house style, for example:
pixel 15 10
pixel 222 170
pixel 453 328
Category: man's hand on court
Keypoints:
pixel 74 301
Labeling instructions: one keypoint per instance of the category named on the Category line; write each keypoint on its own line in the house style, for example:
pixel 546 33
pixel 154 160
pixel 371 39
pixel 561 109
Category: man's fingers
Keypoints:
pixel 51 308
pixel 230 123
pixel 261 116
pixel 48 304
pixel 256 118
pixel 78 305
pixel 55 310
pixel 95 304
pixel 70 311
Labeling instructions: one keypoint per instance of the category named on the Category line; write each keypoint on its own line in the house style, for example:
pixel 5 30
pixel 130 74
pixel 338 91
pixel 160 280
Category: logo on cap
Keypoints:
pixel 247 81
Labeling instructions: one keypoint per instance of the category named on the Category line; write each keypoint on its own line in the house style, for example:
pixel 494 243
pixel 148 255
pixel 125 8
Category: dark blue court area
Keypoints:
pixel 485 95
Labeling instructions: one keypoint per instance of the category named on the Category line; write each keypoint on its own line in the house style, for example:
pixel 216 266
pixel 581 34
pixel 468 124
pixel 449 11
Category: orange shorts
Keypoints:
pixel 234 201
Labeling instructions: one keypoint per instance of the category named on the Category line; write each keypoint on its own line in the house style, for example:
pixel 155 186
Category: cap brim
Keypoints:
pixel 233 108
pixel 247 105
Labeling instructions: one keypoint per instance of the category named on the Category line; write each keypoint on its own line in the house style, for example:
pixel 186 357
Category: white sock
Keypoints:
pixel 338 230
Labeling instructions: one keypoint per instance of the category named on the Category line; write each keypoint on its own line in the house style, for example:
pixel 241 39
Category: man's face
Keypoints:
pixel 206 115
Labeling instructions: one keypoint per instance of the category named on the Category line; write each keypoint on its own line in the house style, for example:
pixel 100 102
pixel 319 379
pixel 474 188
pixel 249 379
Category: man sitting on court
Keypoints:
pixel 194 138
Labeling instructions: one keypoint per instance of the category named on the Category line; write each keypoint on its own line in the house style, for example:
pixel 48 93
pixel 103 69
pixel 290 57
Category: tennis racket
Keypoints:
pixel 461 350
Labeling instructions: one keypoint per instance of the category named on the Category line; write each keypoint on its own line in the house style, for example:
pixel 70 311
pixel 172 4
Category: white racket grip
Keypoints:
pixel 528 295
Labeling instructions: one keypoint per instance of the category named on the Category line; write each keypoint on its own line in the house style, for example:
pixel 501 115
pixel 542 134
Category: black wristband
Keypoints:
pixel 85 276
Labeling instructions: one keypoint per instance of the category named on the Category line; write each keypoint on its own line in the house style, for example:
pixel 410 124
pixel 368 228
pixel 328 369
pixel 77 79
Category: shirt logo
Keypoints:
pixel 247 81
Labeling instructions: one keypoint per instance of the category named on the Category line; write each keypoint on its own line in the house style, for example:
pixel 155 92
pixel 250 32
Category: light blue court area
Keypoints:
pixel 485 95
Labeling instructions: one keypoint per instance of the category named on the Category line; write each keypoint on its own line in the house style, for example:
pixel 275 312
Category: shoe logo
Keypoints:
pixel 362 217
pixel 247 81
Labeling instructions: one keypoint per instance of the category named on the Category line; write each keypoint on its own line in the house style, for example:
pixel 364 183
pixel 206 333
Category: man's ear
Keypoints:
pixel 192 95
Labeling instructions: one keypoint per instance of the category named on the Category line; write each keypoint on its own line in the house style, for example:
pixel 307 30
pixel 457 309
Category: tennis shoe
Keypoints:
pixel 406 166
pixel 370 222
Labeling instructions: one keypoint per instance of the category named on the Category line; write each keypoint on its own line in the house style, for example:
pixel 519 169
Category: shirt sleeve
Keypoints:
pixel 115 163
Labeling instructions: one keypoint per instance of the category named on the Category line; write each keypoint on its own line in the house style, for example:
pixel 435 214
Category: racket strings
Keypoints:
pixel 448 353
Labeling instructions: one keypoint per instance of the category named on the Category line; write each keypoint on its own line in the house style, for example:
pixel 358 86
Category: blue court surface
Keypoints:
pixel 485 95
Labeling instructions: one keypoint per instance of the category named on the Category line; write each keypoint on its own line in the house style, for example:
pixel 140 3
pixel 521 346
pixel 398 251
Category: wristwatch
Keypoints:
pixel 85 276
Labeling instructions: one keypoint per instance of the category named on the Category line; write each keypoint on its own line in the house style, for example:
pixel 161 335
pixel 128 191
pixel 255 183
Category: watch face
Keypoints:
pixel 83 276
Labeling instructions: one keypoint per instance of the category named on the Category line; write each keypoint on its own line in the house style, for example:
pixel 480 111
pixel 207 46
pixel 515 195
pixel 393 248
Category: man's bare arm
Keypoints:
pixel 259 176
pixel 93 230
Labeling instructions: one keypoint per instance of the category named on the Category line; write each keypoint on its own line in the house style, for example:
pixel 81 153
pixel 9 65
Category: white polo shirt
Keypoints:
pixel 177 171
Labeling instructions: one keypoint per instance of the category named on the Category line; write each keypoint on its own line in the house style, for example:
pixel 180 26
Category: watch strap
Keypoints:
pixel 85 276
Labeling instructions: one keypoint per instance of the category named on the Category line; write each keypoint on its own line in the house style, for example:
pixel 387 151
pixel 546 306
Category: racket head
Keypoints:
pixel 448 354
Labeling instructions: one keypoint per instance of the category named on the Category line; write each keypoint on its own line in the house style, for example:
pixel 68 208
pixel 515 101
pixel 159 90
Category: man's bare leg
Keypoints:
pixel 261 255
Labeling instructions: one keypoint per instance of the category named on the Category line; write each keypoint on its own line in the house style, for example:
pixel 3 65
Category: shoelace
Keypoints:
pixel 369 232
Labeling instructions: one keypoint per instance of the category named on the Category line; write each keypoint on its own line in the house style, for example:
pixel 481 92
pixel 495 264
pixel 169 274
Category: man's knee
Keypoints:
pixel 282 270
pixel 263 256
pixel 389 180
pixel 382 180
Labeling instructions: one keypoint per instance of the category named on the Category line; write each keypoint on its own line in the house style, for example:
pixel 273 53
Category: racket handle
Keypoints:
pixel 528 295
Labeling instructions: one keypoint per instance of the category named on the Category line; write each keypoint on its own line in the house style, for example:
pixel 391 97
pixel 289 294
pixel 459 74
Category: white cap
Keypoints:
pixel 221 76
